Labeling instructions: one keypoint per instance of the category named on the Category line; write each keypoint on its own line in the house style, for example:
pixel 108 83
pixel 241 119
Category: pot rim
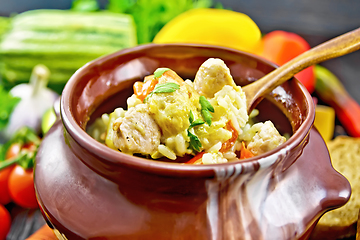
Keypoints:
pixel 113 157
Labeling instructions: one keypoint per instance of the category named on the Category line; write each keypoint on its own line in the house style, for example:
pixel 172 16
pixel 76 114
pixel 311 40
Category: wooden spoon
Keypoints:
pixel 336 47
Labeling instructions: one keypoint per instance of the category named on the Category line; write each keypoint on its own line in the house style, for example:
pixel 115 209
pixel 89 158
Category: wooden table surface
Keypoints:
pixel 24 222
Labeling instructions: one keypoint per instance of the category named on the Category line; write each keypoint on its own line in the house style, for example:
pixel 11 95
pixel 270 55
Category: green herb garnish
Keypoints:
pixel 8 103
pixel 191 117
pixel 195 143
pixel 164 88
pixel 160 71
pixel 207 116
pixel 196 123
pixel 192 122
pixel 206 108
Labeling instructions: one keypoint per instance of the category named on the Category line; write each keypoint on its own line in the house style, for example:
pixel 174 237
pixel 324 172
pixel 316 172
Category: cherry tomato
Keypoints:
pixel 21 187
pixel 4 189
pixel 13 150
pixel 5 222
pixel 5 198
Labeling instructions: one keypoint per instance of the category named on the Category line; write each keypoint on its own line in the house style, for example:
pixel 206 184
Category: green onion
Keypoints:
pixel 164 88
pixel 206 108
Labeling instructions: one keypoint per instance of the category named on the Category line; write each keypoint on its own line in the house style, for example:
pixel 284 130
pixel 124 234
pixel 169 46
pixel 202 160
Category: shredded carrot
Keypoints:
pixel 137 87
pixel 197 159
pixel 142 89
pixel 244 152
pixel 171 74
pixel 229 143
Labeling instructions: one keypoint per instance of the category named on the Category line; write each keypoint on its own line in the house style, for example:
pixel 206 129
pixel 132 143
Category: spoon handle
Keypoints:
pixel 336 47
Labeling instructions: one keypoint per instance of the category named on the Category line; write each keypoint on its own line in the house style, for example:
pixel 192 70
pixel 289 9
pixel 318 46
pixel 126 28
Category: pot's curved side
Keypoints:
pixel 307 189
pixel 265 203
pixel 87 190
pixel 81 204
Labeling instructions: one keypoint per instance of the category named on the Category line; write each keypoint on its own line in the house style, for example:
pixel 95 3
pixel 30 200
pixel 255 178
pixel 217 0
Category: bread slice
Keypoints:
pixel 341 223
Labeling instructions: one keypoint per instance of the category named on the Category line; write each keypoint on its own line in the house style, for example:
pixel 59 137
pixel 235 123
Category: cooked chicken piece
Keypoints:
pixel 137 132
pixel 171 110
pixel 212 76
pixel 266 139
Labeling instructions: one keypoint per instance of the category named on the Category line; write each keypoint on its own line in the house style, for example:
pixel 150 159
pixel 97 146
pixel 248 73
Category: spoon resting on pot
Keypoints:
pixel 336 47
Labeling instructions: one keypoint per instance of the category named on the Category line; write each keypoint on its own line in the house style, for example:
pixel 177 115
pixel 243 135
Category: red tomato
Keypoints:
pixel 21 187
pixel 5 221
pixel 13 150
pixel 281 46
pixel 4 189
pixel 5 198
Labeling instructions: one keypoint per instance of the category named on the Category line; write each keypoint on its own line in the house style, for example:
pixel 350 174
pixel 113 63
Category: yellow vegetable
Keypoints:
pixel 325 121
pixel 48 119
pixel 212 26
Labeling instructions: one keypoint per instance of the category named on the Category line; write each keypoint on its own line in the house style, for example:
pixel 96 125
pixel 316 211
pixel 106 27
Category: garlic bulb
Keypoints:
pixel 36 99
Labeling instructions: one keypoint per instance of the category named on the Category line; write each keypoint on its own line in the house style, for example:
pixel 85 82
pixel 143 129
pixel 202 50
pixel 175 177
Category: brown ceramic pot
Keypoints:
pixel 89 191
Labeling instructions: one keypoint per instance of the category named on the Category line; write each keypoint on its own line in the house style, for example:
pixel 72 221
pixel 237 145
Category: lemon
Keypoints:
pixel 212 26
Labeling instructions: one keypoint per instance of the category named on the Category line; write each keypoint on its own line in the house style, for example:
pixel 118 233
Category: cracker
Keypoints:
pixel 341 222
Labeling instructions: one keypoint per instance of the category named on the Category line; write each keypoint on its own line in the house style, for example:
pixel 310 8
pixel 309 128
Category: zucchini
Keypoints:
pixel 88 38
pixel 63 40
pixel 24 62
pixel 4 25
pixel 69 20
pixel 15 46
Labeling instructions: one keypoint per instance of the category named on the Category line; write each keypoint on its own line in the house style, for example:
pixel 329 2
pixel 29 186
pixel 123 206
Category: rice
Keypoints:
pixel 167 152
pixel 132 101
pixel 184 123
pixel 212 158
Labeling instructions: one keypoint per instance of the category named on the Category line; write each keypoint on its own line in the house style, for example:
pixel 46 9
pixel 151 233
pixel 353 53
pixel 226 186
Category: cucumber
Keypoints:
pixel 63 40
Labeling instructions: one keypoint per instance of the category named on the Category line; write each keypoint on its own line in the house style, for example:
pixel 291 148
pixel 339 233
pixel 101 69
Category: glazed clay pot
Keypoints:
pixel 89 191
